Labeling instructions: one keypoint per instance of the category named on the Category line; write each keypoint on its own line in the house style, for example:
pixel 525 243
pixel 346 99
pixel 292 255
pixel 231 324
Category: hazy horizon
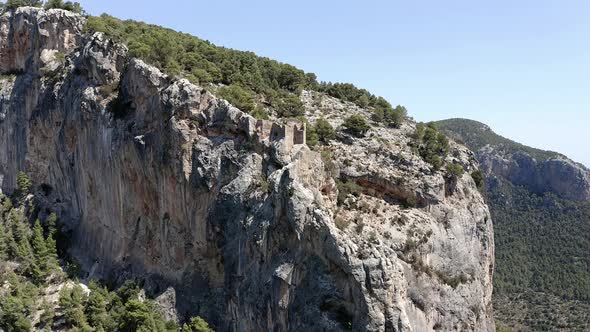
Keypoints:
pixel 521 68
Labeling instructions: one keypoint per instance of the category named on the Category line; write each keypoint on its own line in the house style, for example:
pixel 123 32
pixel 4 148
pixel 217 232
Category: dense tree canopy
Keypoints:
pixel 13 4
pixel 542 260
pixel 60 4
pixel 252 81
pixel 67 5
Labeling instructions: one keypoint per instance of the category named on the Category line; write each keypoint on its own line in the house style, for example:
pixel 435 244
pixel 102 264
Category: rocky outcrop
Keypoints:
pixel 538 171
pixel 557 175
pixel 159 180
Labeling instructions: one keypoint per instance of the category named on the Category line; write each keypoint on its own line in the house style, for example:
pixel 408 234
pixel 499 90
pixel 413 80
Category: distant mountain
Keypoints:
pixel 537 170
pixel 540 207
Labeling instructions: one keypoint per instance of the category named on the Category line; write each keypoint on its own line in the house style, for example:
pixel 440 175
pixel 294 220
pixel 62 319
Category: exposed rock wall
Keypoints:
pixel 559 175
pixel 160 180
pixel 537 170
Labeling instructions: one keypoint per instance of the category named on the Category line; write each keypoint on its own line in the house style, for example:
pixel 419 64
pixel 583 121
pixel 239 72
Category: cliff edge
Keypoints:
pixel 229 217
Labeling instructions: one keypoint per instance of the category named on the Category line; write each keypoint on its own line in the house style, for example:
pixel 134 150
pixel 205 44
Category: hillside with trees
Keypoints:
pixel 41 289
pixel 251 82
pixel 542 275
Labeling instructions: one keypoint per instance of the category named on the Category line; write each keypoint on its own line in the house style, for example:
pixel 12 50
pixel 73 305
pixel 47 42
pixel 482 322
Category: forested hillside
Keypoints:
pixel 252 83
pixel 541 258
pixel 542 276
pixel 477 135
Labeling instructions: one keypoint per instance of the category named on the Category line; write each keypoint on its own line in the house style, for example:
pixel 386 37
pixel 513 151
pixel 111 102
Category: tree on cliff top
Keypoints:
pixel 14 4
pixel 60 4
pixel 68 5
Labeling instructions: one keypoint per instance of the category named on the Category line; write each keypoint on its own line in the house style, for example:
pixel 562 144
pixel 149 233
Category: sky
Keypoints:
pixel 522 67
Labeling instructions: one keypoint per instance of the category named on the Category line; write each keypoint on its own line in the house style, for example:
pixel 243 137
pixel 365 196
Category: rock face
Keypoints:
pixel 159 180
pixel 557 175
pixel 538 171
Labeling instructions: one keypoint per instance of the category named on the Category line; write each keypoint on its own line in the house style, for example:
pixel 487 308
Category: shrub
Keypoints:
pixel 341 223
pixel 359 226
pixel 410 202
pixel 197 324
pixel 382 108
pixel 432 144
pixel 259 113
pixel 311 136
pixel 289 106
pixel 202 62
pixel 324 130
pixel 14 4
pixel 107 90
pixel 68 5
pixel 239 97
pixel 455 171
pixel 373 237
pixel 356 125
pixel 392 117
pixel 346 188
pixel 328 160
pixel 396 116
pixel 479 179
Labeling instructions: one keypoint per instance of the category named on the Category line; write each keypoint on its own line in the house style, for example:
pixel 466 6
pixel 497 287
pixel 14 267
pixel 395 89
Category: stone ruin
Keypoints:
pixel 291 133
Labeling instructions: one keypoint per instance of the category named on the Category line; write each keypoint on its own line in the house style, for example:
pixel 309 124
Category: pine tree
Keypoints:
pixel 21 247
pixel 96 307
pixel 38 241
pixel 17 305
pixel 197 324
pixel 23 184
pixel 48 314
pixel 6 205
pixel 40 253
pixel 13 316
pixel 51 258
pixel 52 224
pixel 3 243
pixel 71 302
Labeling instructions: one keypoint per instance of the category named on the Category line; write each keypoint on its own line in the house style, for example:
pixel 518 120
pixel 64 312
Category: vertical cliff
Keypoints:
pixel 160 180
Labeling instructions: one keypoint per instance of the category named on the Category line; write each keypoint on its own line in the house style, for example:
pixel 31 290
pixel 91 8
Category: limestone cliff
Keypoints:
pixel 231 218
pixel 537 170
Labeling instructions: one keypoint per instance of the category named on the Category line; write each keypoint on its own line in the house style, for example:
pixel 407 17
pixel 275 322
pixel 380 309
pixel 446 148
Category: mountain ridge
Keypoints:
pixel 538 170
pixel 236 218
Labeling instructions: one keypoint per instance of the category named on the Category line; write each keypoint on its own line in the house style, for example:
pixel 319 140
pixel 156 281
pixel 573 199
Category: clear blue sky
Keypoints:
pixel 523 67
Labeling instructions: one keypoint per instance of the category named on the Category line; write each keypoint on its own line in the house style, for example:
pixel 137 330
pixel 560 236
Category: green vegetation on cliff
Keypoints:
pixel 30 265
pixel 60 4
pixel 431 144
pixel 476 135
pixel 251 81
